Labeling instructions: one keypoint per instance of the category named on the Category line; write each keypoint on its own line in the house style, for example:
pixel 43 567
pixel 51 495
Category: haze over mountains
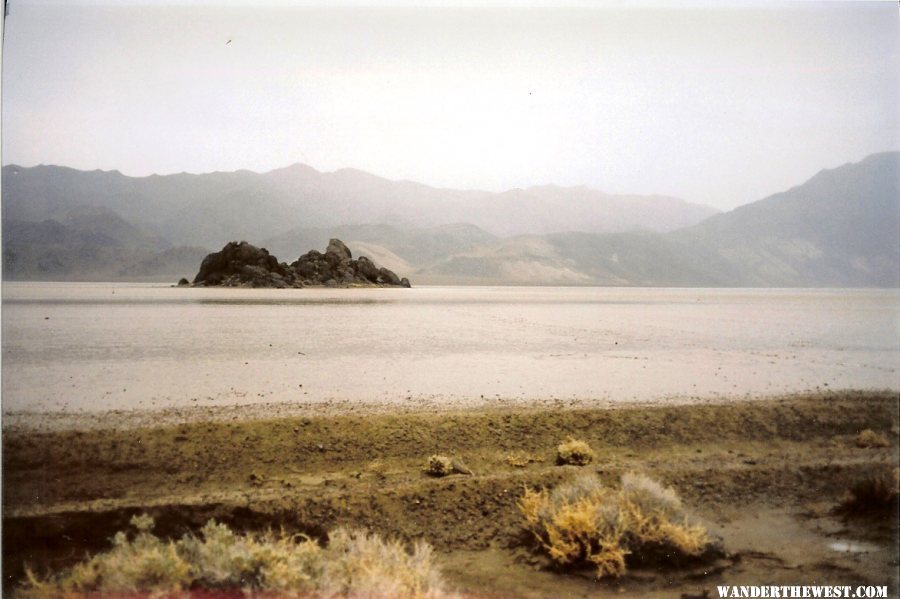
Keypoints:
pixel 212 208
pixel 840 228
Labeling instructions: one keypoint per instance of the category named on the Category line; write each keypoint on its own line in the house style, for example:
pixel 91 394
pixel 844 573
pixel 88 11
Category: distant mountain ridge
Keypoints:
pixel 840 228
pixel 211 209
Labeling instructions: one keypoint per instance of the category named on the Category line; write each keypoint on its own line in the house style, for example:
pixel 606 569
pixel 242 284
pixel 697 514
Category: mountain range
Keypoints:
pixel 840 228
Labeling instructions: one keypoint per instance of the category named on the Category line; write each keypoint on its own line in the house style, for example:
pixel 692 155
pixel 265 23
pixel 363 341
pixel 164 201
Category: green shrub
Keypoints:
pixel 575 452
pixel 354 563
pixel 585 523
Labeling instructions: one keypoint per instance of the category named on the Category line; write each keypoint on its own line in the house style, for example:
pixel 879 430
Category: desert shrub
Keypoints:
pixel 868 438
pixel 141 562
pixel 439 465
pixel 353 564
pixel 585 523
pixel 362 564
pixel 875 494
pixel 520 459
pixel 223 559
pixel 575 452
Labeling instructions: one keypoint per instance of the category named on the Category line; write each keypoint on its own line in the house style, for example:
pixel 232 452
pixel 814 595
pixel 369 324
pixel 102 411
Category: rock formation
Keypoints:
pixel 241 264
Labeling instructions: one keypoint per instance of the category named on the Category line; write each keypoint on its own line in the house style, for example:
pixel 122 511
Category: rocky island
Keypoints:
pixel 241 264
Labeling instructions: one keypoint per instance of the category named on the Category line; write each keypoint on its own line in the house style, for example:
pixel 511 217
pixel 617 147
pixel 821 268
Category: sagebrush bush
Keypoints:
pixel 575 452
pixel 868 439
pixel 353 564
pixel 219 558
pixel 142 563
pixel 520 459
pixel 360 564
pixel 875 494
pixel 584 523
pixel 439 465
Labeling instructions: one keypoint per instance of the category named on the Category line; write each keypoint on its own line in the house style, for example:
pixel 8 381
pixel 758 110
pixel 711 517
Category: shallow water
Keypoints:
pixel 95 346
pixel 852 547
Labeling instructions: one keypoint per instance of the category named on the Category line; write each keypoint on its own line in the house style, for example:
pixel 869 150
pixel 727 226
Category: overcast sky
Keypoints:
pixel 716 105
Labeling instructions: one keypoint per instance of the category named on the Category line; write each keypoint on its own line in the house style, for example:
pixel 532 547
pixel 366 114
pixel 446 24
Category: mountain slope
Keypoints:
pixel 90 244
pixel 841 228
pixel 211 209
pixel 625 259
pixel 184 209
pixel 417 247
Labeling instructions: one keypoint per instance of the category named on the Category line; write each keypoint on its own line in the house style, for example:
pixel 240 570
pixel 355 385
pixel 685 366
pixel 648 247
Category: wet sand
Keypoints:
pixel 765 475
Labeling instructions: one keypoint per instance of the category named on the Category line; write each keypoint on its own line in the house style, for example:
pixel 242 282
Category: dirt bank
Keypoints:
pixel 764 475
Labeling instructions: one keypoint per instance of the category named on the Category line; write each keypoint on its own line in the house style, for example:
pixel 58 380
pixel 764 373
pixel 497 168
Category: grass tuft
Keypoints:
pixel 584 523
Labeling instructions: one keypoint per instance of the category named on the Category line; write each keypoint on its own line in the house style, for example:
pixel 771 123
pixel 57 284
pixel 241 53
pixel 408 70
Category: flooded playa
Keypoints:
pixel 307 410
pixel 75 347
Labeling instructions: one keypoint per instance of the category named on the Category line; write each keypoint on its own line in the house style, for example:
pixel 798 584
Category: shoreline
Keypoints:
pixel 137 418
pixel 765 474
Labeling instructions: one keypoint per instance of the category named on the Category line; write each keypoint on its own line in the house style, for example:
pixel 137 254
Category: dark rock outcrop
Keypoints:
pixel 245 265
pixel 336 267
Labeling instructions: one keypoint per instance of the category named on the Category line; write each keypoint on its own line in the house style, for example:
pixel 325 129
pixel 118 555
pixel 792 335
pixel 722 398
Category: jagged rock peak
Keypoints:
pixel 337 248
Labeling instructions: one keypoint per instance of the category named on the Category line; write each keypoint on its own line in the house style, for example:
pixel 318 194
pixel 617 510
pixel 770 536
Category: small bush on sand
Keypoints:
pixel 354 563
pixel 584 523
pixel 875 494
pixel 574 452
pixel 439 465
pixel 520 459
pixel 868 438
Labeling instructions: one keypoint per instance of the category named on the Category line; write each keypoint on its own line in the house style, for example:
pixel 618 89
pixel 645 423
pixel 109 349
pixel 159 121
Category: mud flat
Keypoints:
pixel 765 475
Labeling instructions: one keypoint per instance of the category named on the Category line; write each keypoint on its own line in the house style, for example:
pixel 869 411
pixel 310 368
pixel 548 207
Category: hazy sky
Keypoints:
pixel 715 105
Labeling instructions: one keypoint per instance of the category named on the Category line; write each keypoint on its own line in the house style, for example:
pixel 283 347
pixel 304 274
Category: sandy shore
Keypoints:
pixel 765 475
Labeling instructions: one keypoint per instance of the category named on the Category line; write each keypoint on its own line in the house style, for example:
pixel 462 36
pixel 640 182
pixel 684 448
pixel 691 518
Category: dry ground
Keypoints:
pixel 765 475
